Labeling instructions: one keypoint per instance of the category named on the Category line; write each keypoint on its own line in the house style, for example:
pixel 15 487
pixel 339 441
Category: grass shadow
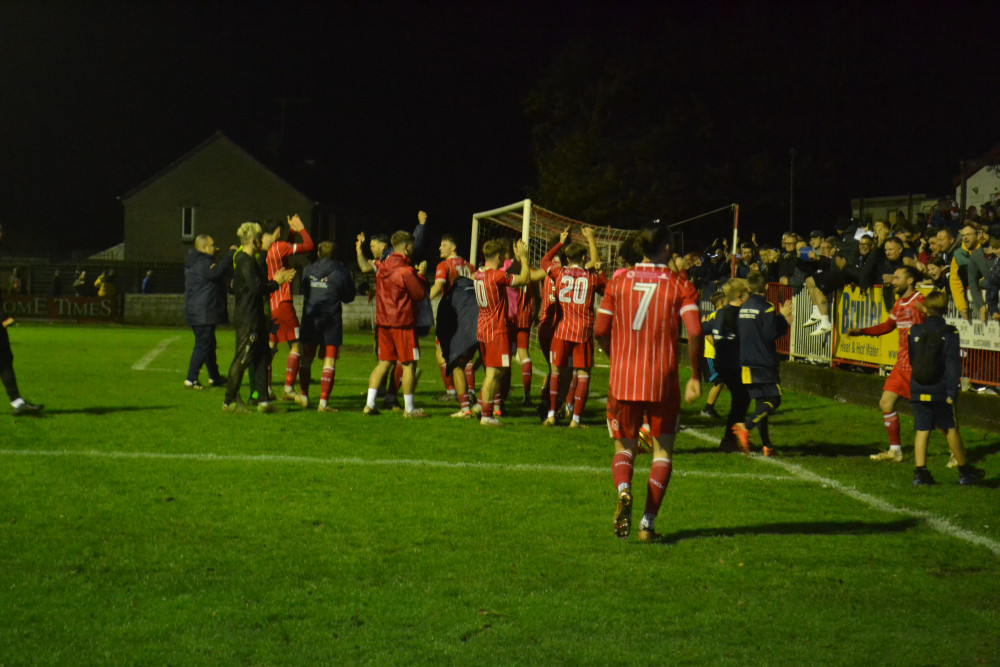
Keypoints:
pixel 796 528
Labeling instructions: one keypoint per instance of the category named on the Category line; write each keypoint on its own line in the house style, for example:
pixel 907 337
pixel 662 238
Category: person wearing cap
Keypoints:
pixel 19 406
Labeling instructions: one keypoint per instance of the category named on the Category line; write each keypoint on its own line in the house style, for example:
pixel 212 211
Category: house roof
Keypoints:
pixel 992 157
pixel 217 136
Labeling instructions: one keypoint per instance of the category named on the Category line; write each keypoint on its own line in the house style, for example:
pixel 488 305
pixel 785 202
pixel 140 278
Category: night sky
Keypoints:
pixel 421 104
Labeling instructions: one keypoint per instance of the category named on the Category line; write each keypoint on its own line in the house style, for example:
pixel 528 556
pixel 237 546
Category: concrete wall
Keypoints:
pixel 168 310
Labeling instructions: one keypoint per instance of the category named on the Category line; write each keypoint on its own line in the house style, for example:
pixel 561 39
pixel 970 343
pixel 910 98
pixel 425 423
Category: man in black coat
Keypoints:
pixel 251 324
pixel 204 307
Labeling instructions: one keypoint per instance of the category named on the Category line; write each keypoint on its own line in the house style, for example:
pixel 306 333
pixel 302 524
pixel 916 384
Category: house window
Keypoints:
pixel 187 223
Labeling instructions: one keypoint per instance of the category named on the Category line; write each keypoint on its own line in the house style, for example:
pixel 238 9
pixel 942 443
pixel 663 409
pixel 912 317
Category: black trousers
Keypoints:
pixel 7 366
pixel 739 399
pixel 203 353
pixel 253 354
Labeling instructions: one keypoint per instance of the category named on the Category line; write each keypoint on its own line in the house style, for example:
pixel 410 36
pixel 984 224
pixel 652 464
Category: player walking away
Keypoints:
pixel 250 322
pixel 638 324
pixel 492 330
pixel 326 284
pixel 759 326
pixel 724 331
pixel 448 269
pixel 282 309
pixel 573 339
pixel 935 354
pixel 710 371
pixel 398 288
pixel 19 406
pixel 906 311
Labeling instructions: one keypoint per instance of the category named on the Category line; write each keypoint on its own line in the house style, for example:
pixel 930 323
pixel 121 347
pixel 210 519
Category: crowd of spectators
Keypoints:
pixel 959 257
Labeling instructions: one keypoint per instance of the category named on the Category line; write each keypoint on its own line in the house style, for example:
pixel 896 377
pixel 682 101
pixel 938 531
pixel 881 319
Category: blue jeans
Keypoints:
pixel 203 353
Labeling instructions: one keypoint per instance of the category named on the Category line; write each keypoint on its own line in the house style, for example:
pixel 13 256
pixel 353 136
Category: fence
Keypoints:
pixel 854 307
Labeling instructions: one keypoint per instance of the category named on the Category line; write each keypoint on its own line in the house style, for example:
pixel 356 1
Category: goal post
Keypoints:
pixel 539 228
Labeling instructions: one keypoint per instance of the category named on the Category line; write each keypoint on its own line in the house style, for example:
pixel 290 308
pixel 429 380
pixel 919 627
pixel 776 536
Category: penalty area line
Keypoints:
pixel 936 522
pixel 354 461
pixel 147 359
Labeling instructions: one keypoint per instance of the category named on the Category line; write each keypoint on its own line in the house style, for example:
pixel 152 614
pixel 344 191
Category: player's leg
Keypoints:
pixel 305 372
pixel 461 390
pixel 580 397
pixel 664 420
pixel 489 387
pixel 9 379
pixel 199 355
pixel 921 476
pixel 327 378
pixel 739 404
pixel 212 360
pixel 623 431
pixel 259 367
pixel 765 407
pixel 524 360
pixel 241 361
pixel 558 363
pixel 375 381
pixel 292 367
pixel 446 379
pixel 890 418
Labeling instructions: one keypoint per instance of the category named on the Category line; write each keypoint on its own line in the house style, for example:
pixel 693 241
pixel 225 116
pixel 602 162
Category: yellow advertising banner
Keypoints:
pixel 856 309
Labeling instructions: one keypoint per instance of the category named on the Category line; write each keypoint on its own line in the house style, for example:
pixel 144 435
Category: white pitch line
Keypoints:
pixel 153 354
pixel 934 521
pixel 340 461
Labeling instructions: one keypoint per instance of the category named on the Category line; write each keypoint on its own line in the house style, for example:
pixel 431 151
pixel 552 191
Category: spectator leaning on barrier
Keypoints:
pixel 958 278
pixel 788 261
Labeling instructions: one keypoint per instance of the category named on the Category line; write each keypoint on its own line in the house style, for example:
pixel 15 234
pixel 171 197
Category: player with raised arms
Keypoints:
pixel 573 338
pixel 282 309
pixel 451 267
pixel 492 329
pixel 638 325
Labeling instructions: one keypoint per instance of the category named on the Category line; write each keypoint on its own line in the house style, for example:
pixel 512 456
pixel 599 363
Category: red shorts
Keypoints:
pixel 496 353
pixel 398 345
pixel 287 321
pixel 625 418
pixel 898 382
pixel 523 338
pixel 562 352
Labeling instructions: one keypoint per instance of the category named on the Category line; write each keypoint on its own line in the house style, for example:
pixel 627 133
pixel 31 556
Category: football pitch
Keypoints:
pixel 140 525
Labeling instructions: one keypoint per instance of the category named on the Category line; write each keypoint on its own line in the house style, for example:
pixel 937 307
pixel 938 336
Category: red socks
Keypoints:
pixel 891 421
pixel 470 377
pixel 621 468
pixel 553 389
pixel 526 372
pixel 580 397
pixel 291 368
pixel 659 478
pixel 449 385
pixel 326 383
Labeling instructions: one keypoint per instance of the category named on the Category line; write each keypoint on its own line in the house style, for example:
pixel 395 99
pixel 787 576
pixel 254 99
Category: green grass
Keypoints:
pixel 140 525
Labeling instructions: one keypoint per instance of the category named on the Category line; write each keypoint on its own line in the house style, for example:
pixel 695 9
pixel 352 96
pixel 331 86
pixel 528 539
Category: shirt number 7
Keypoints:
pixel 647 290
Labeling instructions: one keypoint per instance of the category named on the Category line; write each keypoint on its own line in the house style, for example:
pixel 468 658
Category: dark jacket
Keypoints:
pixel 326 284
pixel 992 285
pixel 947 386
pixel 251 287
pixel 457 317
pixel 723 328
pixel 759 326
pixel 205 288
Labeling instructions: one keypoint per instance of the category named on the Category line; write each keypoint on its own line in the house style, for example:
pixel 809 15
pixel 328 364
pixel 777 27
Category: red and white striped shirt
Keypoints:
pixel 276 256
pixel 906 313
pixel 645 305
pixel 449 269
pixel 575 288
pixel 491 295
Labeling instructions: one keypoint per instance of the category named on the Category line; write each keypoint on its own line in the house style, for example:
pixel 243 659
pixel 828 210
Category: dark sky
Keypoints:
pixel 420 104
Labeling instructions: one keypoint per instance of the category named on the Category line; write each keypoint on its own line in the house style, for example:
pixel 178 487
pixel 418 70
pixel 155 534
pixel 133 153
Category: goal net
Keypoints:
pixel 540 229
